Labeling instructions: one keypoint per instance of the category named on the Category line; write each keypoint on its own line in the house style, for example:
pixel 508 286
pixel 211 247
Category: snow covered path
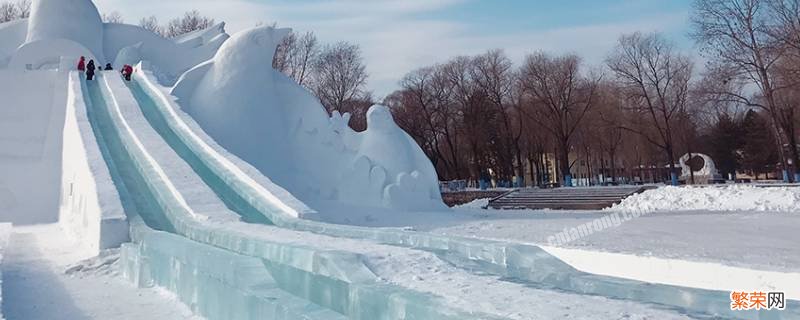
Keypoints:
pixel 37 285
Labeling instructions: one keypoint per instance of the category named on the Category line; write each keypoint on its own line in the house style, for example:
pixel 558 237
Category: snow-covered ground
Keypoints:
pixel 737 225
pixel 733 198
pixel 764 240
pixel 46 277
pixel 720 238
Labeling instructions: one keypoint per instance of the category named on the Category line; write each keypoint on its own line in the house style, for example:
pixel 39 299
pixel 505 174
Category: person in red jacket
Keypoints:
pixel 127 72
pixel 82 64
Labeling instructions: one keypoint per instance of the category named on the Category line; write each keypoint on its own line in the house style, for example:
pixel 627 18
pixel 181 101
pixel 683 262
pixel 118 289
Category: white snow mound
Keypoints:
pixel 73 20
pixel 268 120
pixel 728 198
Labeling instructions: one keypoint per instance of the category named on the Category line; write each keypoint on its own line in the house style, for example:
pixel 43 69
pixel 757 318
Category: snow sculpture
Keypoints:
pixel 51 35
pixel 129 55
pixel 60 31
pixel 265 118
pixel 701 166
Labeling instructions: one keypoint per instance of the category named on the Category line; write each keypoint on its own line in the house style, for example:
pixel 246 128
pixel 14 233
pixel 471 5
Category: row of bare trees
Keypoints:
pixel 10 11
pixel 335 73
pixel 190 21
pixel 639 111
pixel 754 49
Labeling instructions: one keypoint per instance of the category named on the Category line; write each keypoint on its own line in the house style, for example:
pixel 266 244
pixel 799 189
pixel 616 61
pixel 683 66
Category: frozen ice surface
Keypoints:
pixel 213 282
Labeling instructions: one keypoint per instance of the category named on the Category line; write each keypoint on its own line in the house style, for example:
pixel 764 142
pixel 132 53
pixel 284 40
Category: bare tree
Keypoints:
pixel 785 26
pixel 339 76
pixel 428 95
pixel 658 79
pixel 113 17
pixel 23 8
pixel 494 74
pixel 151 24
pixel 476 116
pixel 191 21
pixel 296 55
pixel 561 98
pixel 608 125
pixel 8 12
pixel 740 36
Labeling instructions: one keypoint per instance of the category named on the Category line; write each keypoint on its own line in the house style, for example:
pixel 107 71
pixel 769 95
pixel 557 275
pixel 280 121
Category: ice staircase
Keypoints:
pixel 593 198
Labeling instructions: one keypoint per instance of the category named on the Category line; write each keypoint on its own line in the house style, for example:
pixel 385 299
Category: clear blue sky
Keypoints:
pixel 400 35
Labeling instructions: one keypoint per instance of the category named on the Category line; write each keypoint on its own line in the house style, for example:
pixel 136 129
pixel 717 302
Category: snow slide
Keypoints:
pixel 336 280
pixel 514 261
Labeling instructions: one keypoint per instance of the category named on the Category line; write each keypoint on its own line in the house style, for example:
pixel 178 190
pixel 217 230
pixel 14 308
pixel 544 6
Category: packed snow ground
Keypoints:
pixel 46 277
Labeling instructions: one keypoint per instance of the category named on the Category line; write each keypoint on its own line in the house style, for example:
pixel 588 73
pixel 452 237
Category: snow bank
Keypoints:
pixel 474 204
pixel 90 211
pixel 266 119
pixel 5 234
pixel 727 198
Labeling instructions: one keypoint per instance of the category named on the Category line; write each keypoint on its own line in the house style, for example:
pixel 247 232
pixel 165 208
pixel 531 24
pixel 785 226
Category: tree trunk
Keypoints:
pixel 673 174
pixel 564 163
pixel 613 155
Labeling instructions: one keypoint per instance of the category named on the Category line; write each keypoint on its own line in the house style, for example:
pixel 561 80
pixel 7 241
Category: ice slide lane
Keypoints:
pixel 364 264
pixel 517 263
pixel 335 279
pixel 214 282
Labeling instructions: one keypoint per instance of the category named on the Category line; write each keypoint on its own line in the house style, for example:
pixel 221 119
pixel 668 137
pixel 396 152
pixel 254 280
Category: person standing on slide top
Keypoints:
pixel 90 70
pixel 82 64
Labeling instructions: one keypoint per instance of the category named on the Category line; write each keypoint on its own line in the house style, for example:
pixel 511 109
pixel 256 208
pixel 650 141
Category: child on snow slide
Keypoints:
pixel 90 70
pixel 82 64
pixel 127 72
